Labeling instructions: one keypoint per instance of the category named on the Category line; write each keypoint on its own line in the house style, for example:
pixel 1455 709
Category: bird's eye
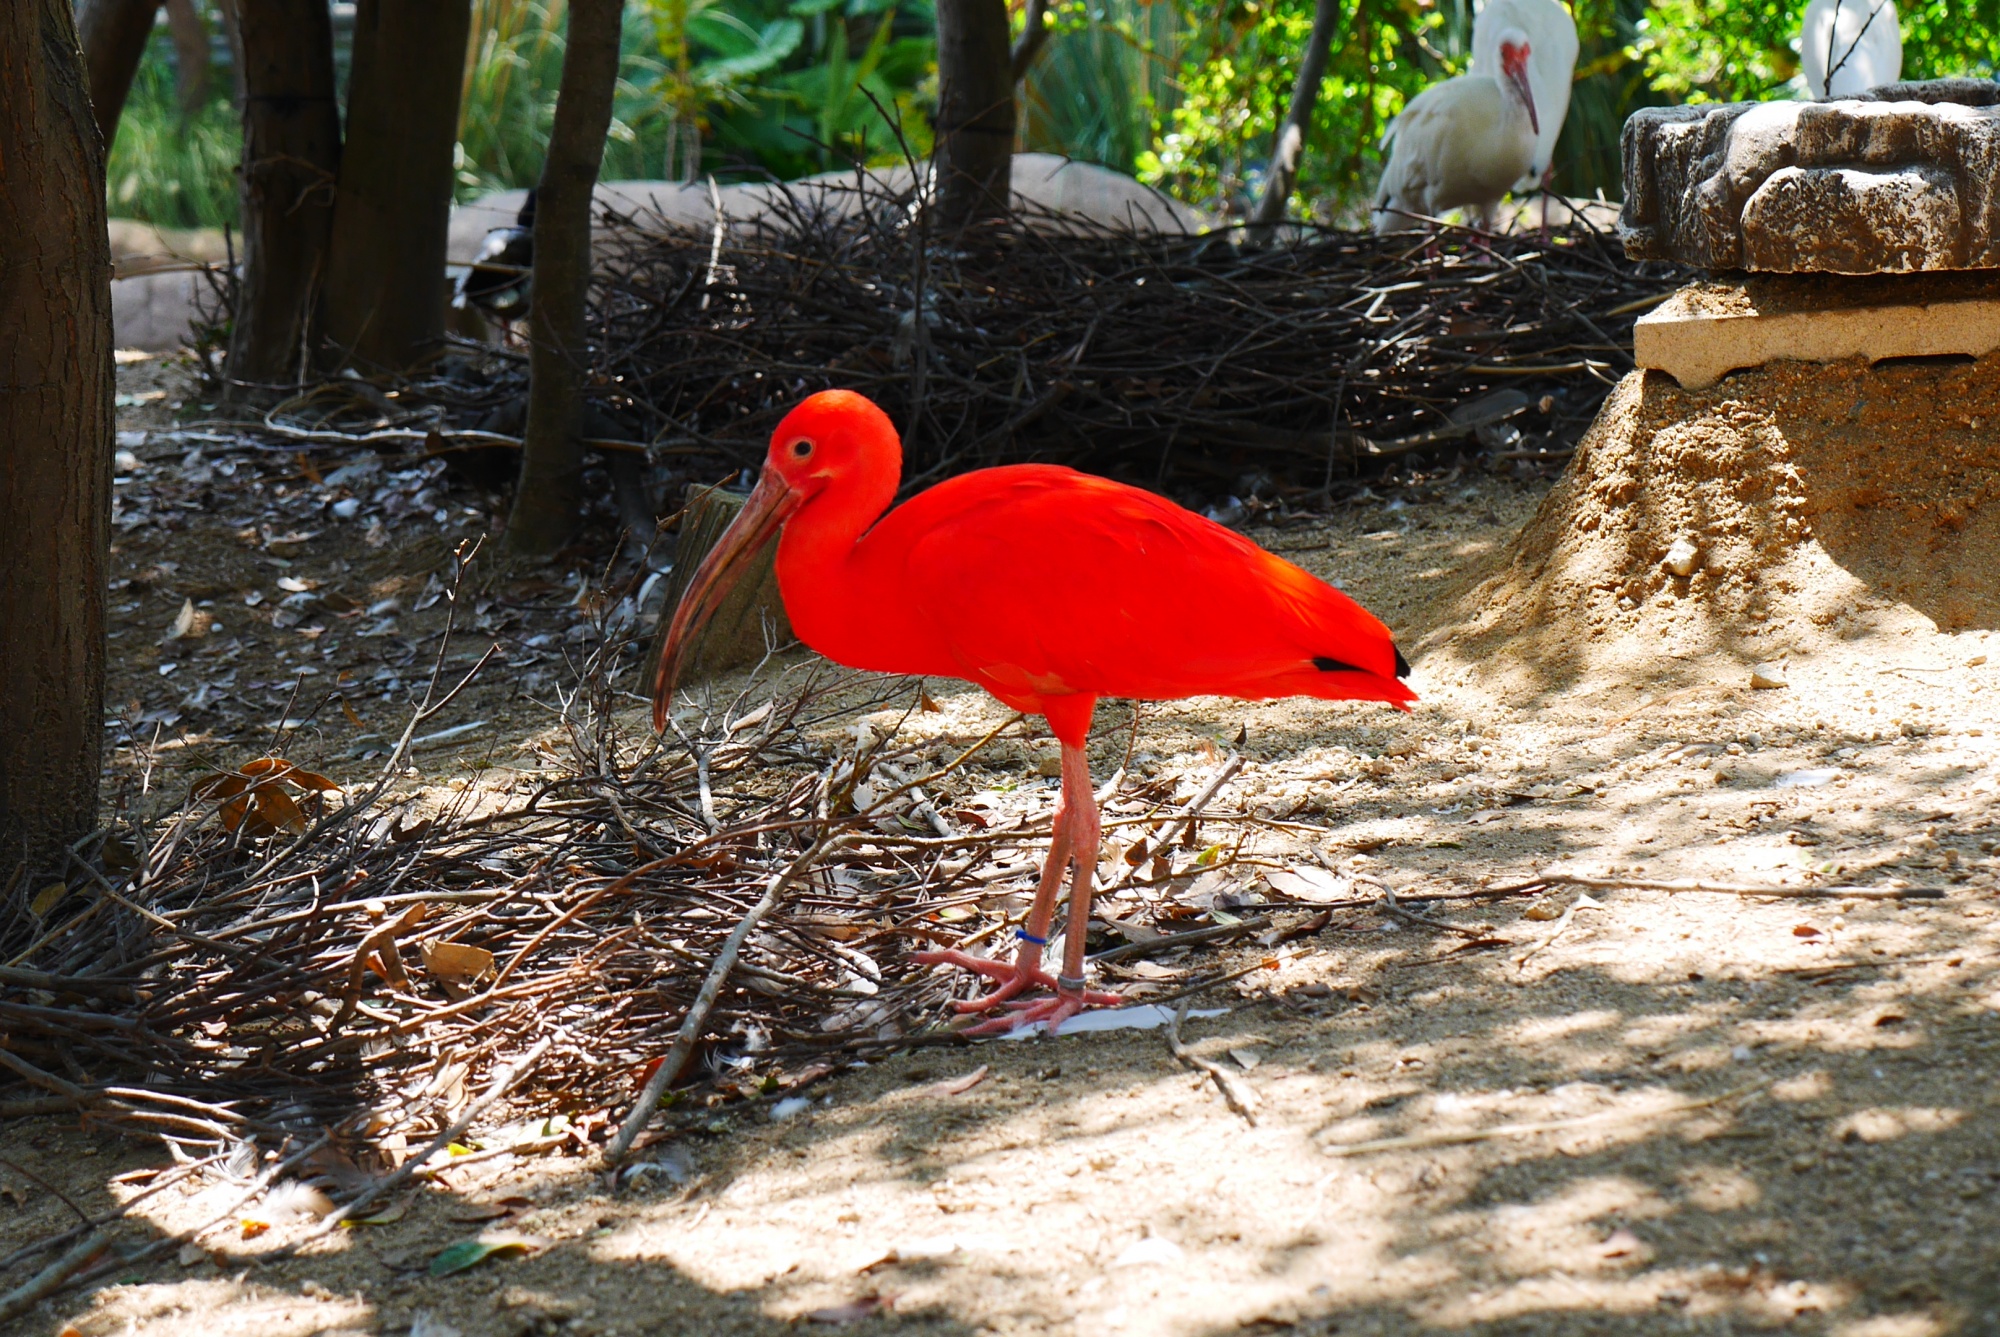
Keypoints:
pixel 801 449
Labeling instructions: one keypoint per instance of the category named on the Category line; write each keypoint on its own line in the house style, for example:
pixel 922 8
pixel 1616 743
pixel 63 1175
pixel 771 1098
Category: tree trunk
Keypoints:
pixel 384 297
pixel 550 491
pixel 1034 36
pixel 55 442
pixel 751 619
pixel 190 35
pixel 1283 173
pixel 291 158
pixel 114 34
pixel 975 116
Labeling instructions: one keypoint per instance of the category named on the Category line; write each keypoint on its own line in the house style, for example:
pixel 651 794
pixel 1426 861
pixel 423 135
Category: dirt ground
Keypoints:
pixel 1619 1110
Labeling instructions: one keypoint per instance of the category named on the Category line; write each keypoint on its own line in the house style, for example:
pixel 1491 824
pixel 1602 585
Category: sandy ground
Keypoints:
pixel 1631 1111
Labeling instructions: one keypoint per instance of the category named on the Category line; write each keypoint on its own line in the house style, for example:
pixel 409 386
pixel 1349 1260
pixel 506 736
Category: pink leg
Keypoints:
pixel 1073 840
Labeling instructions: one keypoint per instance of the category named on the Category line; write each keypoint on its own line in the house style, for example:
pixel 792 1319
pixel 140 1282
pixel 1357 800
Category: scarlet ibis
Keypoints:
pixel 1850 46
pixel 1551 67
pixel 501 277
pixel 1047 587
pixel 1461 143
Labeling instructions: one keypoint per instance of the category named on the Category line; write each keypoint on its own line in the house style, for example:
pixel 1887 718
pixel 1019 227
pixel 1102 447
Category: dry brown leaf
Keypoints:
pixel 457 960
pixel 254 798
pixel 47 899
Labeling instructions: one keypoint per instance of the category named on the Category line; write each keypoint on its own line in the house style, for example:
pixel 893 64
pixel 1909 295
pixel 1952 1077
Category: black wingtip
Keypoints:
pixel 1402 664
pixel 1328 664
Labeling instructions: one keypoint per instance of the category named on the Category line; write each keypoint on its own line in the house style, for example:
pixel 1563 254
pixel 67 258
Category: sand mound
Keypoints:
pixel 1826 504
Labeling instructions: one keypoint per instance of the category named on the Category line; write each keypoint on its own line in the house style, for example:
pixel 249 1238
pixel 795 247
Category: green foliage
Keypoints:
pixel 508 101
pixel 1186 93
pixel 172 169
pixel 1103 81
pixel 792 87
pixel 1236 65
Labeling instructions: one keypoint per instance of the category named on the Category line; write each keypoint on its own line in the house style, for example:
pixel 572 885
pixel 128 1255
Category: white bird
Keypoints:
pixel 1850 46
pixel 1551 68
pixel 1462 143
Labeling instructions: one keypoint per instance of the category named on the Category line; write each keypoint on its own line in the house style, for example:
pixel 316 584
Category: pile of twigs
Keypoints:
pixel 1164 359
pixel 361 972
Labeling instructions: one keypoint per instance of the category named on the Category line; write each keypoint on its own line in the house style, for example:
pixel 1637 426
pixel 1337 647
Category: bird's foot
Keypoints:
pixel 1054 1011
pixel 1011 976
pixel 1014 980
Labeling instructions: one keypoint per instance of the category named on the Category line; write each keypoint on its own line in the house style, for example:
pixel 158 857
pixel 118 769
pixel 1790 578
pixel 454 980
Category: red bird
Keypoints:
pixel 1050 589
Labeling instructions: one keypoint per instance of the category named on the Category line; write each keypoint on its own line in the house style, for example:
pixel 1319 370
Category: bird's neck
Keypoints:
pixel 819 569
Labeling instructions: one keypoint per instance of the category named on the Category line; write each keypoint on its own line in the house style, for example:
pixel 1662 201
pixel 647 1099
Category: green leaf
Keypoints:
pixel 471 1253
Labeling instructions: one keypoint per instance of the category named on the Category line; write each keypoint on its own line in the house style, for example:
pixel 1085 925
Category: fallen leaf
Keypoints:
pixel 479 1211
pixel 1804 931
pixel 47 899
pixel 958 1086
pixel 470 1253
pixel 253 1228
pixel 388 1216
pixel 1247 1059
pixel 456 960
pixel 1309 884
pixel 1620 1243
pixel 190 1254
pixel 1150 1250
pixel 854 1311
pixel 191 623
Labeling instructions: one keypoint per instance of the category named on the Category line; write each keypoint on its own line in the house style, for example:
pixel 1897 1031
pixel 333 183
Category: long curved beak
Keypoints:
pixel 770 504
pixel 1520 78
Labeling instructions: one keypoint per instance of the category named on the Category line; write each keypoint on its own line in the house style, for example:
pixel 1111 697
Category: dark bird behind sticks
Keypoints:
pixel 501 279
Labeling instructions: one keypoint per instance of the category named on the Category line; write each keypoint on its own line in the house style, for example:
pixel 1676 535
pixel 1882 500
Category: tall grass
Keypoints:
pixel 1103 82
pixel 512 73
pixel 167 168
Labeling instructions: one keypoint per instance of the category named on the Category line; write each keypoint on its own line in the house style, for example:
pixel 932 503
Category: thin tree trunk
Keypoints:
pixel 1034 36
pixel 190 35
pixel 975 117
pixel 1283 173
pixel 385 291
pixel 55 442
pixel 551 487
pixel 291 159
pixel 114 34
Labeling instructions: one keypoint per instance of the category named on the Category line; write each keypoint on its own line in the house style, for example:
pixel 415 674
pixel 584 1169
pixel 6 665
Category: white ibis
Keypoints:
pixel 1850 46
pixel 501 278
pixel 1462 143
pixel 1551 67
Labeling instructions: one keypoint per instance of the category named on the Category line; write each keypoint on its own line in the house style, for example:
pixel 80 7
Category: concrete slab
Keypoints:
pixel 1709 329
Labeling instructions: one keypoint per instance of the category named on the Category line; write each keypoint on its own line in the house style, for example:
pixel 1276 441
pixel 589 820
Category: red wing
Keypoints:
pixel 1050 581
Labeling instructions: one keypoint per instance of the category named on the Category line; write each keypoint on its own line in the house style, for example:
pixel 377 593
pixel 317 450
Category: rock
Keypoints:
pixel 1682 557
pixel 1055 195
pixel 1768 677
pixel 1709 329
pixel 1896 181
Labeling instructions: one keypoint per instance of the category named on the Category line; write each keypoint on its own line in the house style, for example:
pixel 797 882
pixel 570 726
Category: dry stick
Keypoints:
pixel 1724 888
pixel 1423 1141
pixel 1238 1093
pixel 65 1270
pixel 503 1082
pixel 1233 764
pixel 704 1003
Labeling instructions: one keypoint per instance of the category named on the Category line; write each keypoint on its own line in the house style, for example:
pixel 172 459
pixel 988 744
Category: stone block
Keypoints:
pixel 1899 181
pixel 1707 330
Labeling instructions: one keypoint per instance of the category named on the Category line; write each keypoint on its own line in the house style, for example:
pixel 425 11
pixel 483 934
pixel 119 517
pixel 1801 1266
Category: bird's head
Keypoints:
pixel 1514 53
pixel 835 442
